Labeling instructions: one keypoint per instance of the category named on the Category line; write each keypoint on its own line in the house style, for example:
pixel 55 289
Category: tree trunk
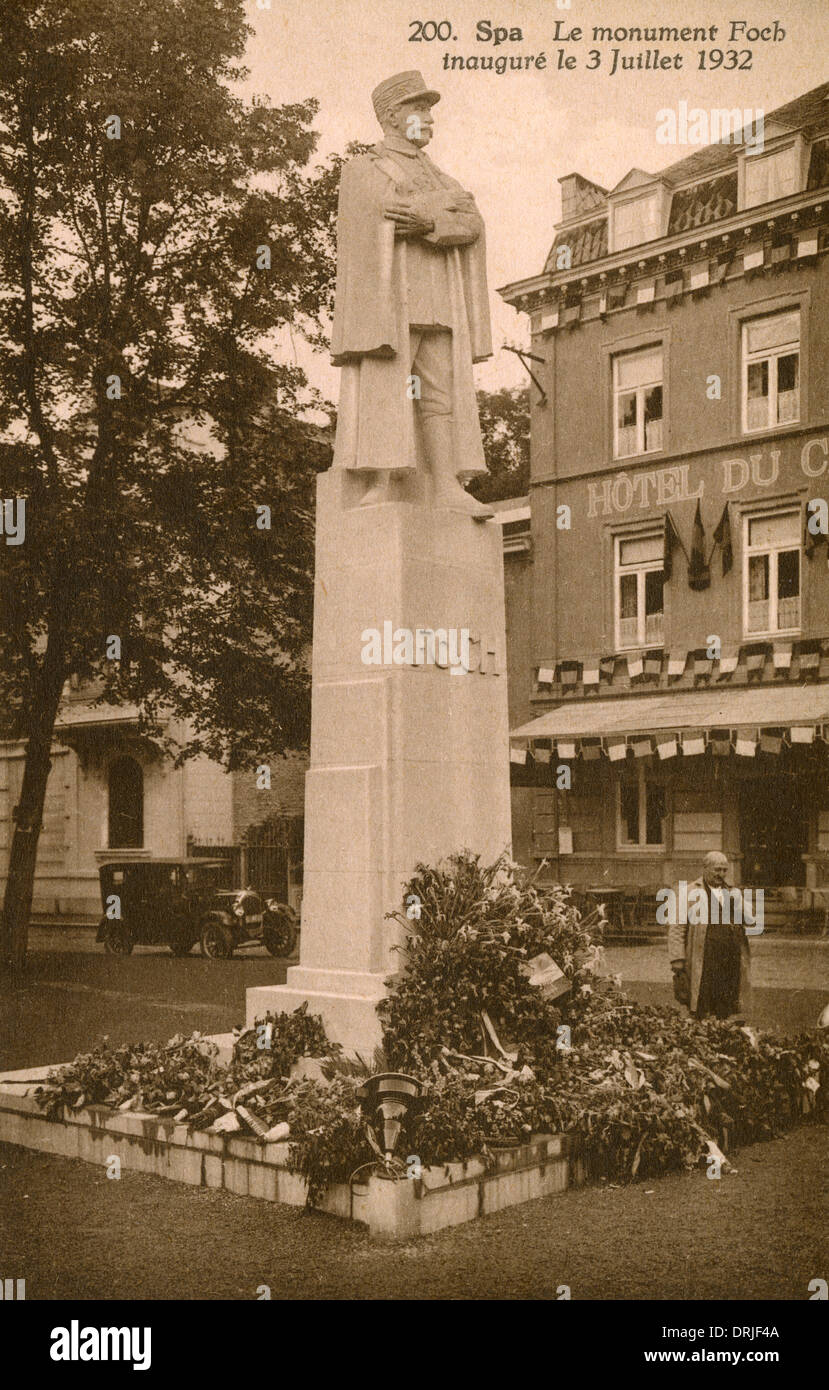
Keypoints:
pixel 28 816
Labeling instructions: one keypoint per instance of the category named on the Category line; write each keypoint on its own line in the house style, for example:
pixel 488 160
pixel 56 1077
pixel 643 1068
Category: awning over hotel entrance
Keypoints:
pixel 726 719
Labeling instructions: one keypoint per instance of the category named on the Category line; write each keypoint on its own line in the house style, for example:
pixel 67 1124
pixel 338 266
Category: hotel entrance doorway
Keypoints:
pixel 773 831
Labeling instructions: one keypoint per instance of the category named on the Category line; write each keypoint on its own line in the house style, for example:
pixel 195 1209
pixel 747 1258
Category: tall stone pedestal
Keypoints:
pixel 408 762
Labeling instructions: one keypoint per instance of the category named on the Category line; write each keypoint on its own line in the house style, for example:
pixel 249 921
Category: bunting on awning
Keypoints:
pixel 771 740
pixel 728 664
pixel 801 735
pixel 693 744
pixel 719 741
pixel 711 720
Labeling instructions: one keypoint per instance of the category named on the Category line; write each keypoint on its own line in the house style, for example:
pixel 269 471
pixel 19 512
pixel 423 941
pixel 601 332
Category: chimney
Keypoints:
pixel 580 196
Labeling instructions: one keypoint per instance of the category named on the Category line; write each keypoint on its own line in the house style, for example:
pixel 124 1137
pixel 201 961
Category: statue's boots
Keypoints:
pixel 378 490
pixel 448 492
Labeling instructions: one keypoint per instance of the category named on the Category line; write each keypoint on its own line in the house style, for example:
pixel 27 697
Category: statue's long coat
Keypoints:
pixel 370 338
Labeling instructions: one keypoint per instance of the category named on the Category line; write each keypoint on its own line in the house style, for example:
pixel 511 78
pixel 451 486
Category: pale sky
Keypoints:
pixel 509 138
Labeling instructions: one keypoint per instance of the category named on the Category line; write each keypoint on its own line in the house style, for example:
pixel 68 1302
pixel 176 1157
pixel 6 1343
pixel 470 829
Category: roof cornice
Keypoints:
pixel 747 220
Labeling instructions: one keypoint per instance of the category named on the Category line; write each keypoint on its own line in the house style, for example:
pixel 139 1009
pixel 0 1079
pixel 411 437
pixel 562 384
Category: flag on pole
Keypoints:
pixel 670 542
pixel 722 536
pixel 699 575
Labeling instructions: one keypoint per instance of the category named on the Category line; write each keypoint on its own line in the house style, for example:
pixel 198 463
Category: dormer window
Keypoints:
pixel 773 173
pixel 635 221
pixel 637 210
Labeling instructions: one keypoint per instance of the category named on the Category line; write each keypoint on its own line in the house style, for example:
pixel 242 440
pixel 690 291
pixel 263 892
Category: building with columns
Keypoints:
pixel 673 627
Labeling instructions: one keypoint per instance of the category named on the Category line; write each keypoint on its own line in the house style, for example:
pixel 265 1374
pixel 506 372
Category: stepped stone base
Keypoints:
pixel 439 1197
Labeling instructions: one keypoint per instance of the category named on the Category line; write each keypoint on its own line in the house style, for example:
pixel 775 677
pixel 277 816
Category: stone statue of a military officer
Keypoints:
pixel 412 312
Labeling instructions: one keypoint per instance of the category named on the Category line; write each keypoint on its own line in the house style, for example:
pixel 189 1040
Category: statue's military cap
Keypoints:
pixel 403 87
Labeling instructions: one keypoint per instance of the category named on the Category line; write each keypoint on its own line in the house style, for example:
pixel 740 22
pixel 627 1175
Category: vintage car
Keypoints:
pixel 177 902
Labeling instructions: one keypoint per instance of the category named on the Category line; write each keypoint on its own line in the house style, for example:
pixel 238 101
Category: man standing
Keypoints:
pixel 708 952
pixel 412 310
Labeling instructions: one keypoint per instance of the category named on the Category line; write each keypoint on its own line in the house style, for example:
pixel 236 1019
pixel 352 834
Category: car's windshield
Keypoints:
pixel 206 875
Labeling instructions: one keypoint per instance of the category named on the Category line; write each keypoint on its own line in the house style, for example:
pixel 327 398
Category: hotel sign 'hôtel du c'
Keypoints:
pixel 668 584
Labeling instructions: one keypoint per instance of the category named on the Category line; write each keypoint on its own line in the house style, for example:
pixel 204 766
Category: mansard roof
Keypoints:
pixel 712 195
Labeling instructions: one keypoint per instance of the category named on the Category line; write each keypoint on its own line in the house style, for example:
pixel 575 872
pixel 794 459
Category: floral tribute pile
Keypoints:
pixel 500 1009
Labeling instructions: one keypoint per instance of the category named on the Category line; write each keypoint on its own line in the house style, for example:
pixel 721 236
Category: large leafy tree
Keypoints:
pixel 505 429
pixel 159 238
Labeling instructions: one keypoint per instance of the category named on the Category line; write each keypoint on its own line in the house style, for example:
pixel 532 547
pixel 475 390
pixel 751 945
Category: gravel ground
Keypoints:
pixel 72 997
pixel 756 1234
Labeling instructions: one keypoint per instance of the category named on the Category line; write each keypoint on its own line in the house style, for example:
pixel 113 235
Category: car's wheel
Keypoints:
pixel 216 941
pixel 280 929
pixel 181 945
pixel 117 940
